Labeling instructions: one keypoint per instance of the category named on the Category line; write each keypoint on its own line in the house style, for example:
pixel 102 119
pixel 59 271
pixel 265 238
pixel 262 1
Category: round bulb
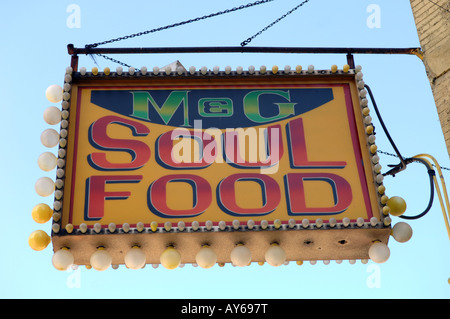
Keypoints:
pixel 379 252
pixel 397 205
pixel 44 186
pixel 170 258
pixel 52 115
pixel 38 240
pixel 54 93
pixel 101 260
pixel 49 138
pixel 41 213
pixel 275 255
pixel 241 256
pixel 47 161
pixel 135 258
pixel 206 257
pixel 62 259
pixel 402 232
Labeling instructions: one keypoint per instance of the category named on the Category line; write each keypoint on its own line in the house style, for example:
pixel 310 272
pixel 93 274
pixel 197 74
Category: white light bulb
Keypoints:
pixel 287 69
pixel 206 257
pixel 241 256
pixel 44 186
pixel 275 255
pixel 47 161
pixel 101 260
pixel 52 115
pixel 54 93
pixel 402 232
pixel 135 258
pixel 49 138
pixel 379 252
pixel 62 259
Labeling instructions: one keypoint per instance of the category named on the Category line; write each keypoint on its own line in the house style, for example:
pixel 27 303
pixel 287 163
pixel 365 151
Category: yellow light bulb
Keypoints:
pixel 38 240
pixel 170 258
pixel 41 213
pixel 397 205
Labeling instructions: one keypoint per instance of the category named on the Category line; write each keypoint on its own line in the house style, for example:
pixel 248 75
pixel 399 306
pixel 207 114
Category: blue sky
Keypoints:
pixel 34 55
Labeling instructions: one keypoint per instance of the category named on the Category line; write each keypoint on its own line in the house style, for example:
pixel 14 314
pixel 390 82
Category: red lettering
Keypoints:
pixel 297 148
pixel 139 151
pixel 94 208
pixel 270 190
pixel 157 196
pixel 342 193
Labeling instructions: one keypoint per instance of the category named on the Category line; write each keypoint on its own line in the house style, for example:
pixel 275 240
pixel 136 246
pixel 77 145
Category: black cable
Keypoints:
pixel 431 175
pixel 402 164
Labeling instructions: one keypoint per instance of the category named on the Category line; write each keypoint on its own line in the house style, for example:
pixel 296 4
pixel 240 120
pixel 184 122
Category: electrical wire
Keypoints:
pixel 421 158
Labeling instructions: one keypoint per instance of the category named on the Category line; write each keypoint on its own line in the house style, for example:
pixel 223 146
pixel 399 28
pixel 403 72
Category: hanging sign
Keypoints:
pixel 219 159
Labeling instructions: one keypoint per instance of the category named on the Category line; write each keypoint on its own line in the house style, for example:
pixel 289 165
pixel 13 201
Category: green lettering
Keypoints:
pixel 251 106
pixel 141 101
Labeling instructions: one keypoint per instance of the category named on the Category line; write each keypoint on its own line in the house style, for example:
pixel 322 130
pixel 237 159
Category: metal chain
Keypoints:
pixel 394 155
pixel 244 43
pixel 115 61
pixel 93 45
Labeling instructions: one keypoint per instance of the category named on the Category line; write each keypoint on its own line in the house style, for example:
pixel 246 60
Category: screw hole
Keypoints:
pixel 342 242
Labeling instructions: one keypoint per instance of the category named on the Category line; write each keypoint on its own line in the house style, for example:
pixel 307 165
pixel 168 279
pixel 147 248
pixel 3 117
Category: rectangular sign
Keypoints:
pixel 219 152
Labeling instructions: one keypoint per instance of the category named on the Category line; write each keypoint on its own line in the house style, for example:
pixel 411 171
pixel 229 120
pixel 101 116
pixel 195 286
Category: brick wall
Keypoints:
pixel 433 28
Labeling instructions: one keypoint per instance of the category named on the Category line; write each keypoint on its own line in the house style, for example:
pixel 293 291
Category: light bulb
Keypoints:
pixel 62 259
pixel 49 138
pixel 52 115
pixel 47 161
pixel 379 252
pixel 170 258
pixel 402 232
pixel 41 213
pixel 275 255
pixel 38 240
pixel 241 256
pixel 135 258
pixel 397 205
pixel 54 93
pixel 44 186
pixel 101 259
pixel 206 257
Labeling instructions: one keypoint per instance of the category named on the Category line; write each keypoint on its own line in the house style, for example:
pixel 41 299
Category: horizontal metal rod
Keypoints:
pixel 305 50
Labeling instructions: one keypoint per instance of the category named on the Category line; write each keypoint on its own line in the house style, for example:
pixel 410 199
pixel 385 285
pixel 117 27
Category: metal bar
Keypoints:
pixel 305 50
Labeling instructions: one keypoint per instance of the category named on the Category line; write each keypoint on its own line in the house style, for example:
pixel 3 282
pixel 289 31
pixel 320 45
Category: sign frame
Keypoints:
pixel 302 239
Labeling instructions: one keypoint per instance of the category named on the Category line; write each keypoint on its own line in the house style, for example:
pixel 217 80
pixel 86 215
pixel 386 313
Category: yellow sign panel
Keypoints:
pixel 216 152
